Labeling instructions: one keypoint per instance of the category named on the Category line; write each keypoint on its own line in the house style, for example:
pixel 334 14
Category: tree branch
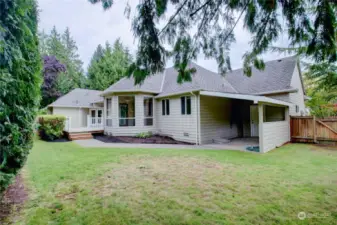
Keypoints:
pixel 236 22
pixel 198 9
pixel 172 17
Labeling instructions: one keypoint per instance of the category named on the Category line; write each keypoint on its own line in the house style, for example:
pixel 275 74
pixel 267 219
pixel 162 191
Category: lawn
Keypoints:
pixel 69 184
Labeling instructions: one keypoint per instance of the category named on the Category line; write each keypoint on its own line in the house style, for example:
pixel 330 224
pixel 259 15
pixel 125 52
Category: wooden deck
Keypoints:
pixel 85 129
pixel 82 133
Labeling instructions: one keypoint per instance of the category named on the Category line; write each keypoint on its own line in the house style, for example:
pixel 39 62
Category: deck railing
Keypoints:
pixel 94 122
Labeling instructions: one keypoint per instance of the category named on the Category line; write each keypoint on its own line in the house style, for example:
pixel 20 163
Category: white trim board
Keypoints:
pixel 256 99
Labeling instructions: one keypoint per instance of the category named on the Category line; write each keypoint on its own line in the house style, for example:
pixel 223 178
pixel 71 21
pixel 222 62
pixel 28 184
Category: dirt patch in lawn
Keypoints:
pixel 163 177
pixel 156 139
pixel 13 199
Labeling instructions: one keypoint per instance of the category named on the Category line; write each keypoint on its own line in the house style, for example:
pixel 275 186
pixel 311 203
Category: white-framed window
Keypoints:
pixel 185 104
pixel 127 111
pixel 297 108
pixel 165 107
pixel 108 120
pixel 148 111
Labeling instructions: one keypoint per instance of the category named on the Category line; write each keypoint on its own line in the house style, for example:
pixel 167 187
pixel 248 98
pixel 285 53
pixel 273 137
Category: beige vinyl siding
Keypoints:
pixel 274 134
pixel 298 97
pixel 178 126
pixel 139 127
pixel 78 115
pixel 215 115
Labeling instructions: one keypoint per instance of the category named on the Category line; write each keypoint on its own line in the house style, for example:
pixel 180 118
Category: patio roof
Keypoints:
pixel 254 98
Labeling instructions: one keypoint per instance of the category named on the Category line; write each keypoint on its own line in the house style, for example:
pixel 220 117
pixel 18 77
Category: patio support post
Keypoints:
pixel 260 109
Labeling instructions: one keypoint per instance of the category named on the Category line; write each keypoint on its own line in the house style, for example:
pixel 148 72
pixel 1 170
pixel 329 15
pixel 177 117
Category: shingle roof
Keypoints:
pixel 79 98
pixel 152 84
pixel 275 77
pixel 203 79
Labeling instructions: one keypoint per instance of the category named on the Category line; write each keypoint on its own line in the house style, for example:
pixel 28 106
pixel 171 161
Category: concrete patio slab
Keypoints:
pixel 239 145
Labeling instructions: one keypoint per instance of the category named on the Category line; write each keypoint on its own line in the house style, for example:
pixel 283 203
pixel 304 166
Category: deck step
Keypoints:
pixel 79 136
pixel 221 141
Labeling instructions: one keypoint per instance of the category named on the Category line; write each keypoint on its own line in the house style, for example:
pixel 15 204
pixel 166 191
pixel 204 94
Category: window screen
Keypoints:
pixel 167 107
pixel 185 104
pixel 274 113
pixel 182 105
pixel 163 107
pixel 188 105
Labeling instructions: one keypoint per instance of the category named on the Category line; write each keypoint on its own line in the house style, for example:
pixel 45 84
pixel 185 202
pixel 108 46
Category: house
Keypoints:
pixel 83 109
pixel 209 108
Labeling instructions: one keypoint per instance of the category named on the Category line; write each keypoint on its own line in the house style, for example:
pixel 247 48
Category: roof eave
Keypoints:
pixel 254 98
pixel 178 93
pixel 128 91
pixel 291 90
pixel 72 106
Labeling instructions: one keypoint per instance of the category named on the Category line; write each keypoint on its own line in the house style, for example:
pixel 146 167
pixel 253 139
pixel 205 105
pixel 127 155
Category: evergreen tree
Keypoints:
pixel 55 47
pixel 20 72
pixel 43 43
pixel 64 48
pixel 309 23
pixel 72 61
pixel 110 67
pixel 98 54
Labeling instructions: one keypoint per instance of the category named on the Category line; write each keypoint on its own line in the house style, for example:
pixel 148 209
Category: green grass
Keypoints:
pixel 73 185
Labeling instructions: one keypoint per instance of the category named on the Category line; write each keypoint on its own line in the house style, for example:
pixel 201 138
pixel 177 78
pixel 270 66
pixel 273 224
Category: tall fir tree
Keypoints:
pixel 55 47
pixel 64 48
pixel 43 43
pixel 110 67
pixel 74 74
pixel 98 54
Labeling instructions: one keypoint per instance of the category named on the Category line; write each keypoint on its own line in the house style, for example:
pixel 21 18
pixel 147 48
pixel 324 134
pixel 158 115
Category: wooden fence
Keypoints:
pixel 312 129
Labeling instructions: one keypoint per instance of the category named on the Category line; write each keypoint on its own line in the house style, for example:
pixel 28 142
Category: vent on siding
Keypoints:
pixel 186 134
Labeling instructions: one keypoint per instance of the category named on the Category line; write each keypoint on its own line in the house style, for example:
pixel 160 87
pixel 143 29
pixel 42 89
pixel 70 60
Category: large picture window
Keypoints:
pixel 165 105
pixel 148 111
pixel 274 113
pixel 126 106
pixel 185 105
pixel 108 120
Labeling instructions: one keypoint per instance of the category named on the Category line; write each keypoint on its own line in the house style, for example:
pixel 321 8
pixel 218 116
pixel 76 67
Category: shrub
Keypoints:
pixel 20 79
pixel 144 135
pixel 51 127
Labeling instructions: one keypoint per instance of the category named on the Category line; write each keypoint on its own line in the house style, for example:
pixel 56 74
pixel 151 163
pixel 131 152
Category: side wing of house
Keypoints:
pixel 78 115
pixel 173 122
pixel 297 98
pixel 129 114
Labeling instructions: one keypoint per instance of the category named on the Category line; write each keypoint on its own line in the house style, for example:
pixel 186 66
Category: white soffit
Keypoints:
pixel 253 98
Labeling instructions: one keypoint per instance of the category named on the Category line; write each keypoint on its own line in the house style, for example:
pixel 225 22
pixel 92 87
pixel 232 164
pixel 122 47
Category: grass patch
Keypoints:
pixel 73 185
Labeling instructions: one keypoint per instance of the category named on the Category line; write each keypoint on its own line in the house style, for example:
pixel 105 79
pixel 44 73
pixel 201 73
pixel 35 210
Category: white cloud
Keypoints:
pixel 90 25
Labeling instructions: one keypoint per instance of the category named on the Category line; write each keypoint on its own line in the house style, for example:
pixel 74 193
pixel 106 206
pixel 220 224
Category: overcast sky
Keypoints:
pixel 90 25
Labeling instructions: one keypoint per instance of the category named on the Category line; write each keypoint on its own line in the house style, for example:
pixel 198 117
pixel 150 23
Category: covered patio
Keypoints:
pixel 242 122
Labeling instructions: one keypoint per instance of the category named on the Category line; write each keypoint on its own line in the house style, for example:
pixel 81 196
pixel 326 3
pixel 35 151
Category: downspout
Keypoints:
pixel 197 118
